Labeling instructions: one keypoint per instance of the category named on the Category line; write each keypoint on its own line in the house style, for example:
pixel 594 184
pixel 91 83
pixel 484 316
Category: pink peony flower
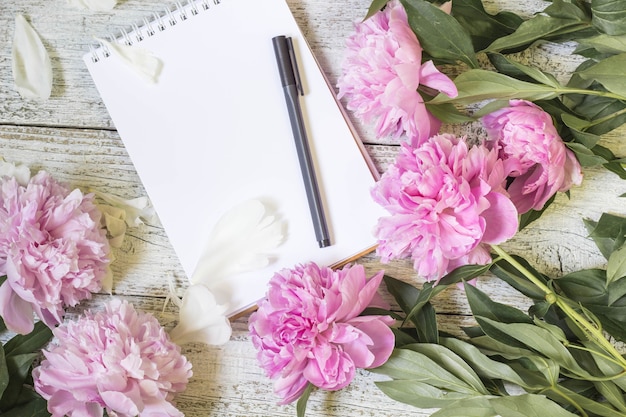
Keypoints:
pixel 525 136
pixel 446 205
pixel 382 72
pixel 52 250
pixel 118 360
pixel 308 329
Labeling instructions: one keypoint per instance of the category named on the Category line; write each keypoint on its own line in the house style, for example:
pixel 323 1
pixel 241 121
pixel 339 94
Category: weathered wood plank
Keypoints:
pixel 72 136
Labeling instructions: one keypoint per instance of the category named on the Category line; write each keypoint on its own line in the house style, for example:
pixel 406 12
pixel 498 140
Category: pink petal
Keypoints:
pixel 502 219
pixel 380 341
pixel 431 77
pixel 17 313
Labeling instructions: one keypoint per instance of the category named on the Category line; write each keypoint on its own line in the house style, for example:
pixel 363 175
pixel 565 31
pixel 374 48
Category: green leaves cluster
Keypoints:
pixel 592 103
pixel 554 364
pixel 17 396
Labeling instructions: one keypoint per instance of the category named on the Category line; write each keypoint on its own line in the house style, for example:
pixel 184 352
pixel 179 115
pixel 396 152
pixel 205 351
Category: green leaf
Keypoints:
pixel 567 10
pixel 577 125
pixel 614 165
pixel 528 405
pixel 495 333
pixel 375 7
pixel 509 274
pixel 590 140
pixel 616 290
pixel 464 273
pixel 613 319
pixel 585 156
pixel 407 364
pixel 419 394
pixel 541 27
pixel 616 267
pixel 19 369
pixel 427 330
pixel 606 113
pixel 541 77
pixel 37 407
pixel 594 407
pixel 452 362
pixel 606 44
pixel 440 34
pixel 485 366
pixel 447 113
pixel 609 233
pixel 586 286
pixel 612 393
pixel 537 370
pixel 477 85
pixel 405 294
pixel 575 122
pixel 539 339
pixel 491 346
pixel 483 27
pixel 556 331
pixel 426 294
pixel 31 342
pixel 483 306
pixel 471 407
pixel 539 309
pixel 376 311
pixel 525 405
pixel 609 16
pixel 304 398
pixel 491 107
pixel 4 372
pixel 404 336
pixel 609 72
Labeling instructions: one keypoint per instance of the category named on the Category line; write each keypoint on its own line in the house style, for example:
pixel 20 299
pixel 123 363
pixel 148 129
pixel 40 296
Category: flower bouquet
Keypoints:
pixel 55 252
pixel 452 200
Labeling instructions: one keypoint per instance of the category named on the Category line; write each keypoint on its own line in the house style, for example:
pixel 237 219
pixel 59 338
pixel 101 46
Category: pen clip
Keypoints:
pixel 294 65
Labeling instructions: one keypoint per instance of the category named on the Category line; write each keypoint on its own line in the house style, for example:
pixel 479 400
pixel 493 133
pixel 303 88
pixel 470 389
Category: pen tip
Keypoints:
pixel 324 243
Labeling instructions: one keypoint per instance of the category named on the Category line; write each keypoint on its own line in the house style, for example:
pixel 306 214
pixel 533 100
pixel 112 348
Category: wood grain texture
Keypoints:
pixel 72 136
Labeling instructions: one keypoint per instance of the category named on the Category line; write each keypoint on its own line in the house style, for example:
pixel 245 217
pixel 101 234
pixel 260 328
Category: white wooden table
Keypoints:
pixel 72 136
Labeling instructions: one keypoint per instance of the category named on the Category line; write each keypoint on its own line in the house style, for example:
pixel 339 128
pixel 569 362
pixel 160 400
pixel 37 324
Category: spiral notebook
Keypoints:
pixel 214 131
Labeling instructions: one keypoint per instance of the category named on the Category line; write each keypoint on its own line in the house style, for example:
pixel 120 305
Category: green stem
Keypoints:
pixel 532 278
pixel 555 390
pixel 605 118
pixel 593 333
pixel 604 356
pixel 608 94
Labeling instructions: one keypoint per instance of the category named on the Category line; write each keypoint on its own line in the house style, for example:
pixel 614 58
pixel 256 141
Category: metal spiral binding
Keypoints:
pixel 150 27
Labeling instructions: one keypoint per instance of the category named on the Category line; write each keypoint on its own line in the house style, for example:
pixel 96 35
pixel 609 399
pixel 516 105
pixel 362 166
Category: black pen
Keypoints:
pixel 292 87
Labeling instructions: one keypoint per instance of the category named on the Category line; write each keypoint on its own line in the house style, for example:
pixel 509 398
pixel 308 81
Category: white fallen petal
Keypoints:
pixel 140 60
pixel 95 5
pixel 32 68
pixel 201 319
pixel 21 172
pixel 136 210
pixel 172 293
pixel 107 281
pixel 240 241
pixel 113 220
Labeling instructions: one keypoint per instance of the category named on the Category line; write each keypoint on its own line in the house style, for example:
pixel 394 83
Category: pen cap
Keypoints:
pixel 284 58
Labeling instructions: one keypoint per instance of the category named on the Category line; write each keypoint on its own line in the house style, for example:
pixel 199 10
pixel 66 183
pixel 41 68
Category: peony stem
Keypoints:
pixel 593 333
pixel 605 118
pixel 502 254
pixel 608 94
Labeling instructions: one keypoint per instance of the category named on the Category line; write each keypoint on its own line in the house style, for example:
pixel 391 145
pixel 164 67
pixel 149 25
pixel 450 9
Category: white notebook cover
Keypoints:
pixel 214 131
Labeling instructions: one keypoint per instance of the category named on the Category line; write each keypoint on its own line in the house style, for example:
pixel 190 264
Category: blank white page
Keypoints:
pixel 214 131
